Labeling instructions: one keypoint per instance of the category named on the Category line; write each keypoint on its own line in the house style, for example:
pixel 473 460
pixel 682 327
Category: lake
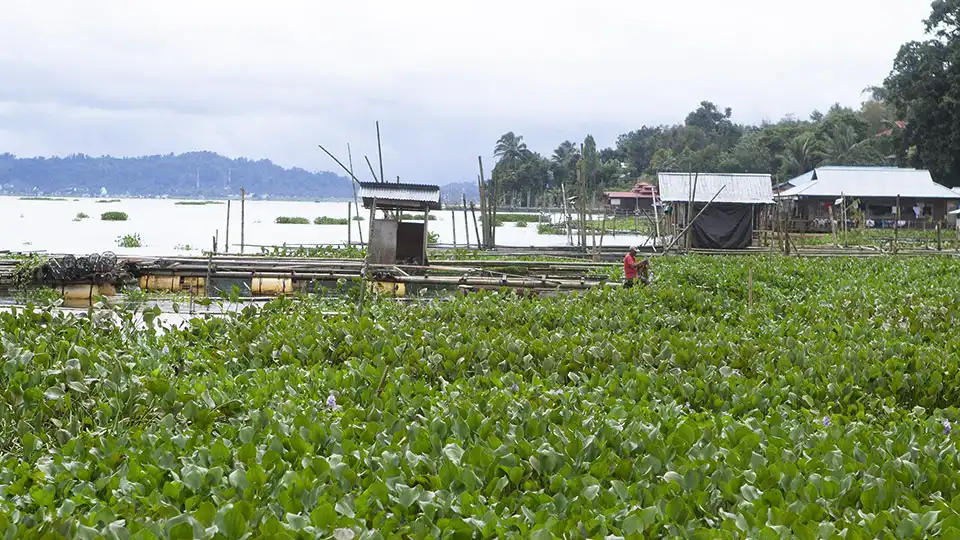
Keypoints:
pixel 166 228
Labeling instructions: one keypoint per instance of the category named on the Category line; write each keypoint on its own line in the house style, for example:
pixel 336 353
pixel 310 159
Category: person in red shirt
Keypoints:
pixel 632 268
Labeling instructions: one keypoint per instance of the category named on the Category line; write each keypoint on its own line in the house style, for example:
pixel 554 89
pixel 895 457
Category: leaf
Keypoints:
pixel 590 492
pixel 235 524
pixel 323 516
pixel 633 525
pixel 345 508
pixel 238 479
pixel 453 452
pixel 54 393
pixel 673 476
pixel 407 495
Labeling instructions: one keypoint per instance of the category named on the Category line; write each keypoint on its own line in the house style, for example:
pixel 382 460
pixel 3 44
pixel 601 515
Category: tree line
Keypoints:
pixel 912 119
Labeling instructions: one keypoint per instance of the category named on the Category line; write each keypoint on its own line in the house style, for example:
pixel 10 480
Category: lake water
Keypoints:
pixel 166 228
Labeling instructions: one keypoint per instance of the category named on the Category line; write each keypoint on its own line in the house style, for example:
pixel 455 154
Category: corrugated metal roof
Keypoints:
pixel 884 182
pixel 740 188
pixel 403 194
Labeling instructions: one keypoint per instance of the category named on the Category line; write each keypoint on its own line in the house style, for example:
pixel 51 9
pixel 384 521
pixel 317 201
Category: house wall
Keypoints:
pixel 878 209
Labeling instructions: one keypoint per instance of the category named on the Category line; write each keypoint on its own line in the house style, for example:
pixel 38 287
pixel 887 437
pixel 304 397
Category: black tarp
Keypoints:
pixel 723 226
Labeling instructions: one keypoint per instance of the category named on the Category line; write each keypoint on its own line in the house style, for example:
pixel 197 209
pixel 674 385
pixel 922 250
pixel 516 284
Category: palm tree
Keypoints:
pixel 842 147
pixel 801 154
pixel 510 150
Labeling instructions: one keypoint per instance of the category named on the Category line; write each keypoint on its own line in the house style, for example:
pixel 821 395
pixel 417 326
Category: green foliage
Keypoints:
pixel 108 201
pixel 80 216
pixel 432 238
pixel 114 216
pixel 196 203
pixel 283 220
pixel 41 199
pixel 674 410
pixel 324 220
pixel 416 217
pixel 522 224
pixel 315 252
pixel 129 241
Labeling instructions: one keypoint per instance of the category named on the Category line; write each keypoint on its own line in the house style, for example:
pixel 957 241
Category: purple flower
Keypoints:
pixel 947 427
pixel 332 402
pixel 826 421
pixel 515 387
pixel 166 349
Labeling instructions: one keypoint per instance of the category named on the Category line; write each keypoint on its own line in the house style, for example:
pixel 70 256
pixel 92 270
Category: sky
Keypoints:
pixel 445 79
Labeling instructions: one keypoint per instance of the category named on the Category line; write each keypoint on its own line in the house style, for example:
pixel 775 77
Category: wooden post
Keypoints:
pixel 426 237
pixel 226 244
pixel 206 282
pixel 466 223
pixel 453 222
pixel 476 230
pixel 833 227
pixel 896 227
pixel 216 240
pixel 939 243
pixel 349 225
pixel 566 215
pixel 243 223
pixel 366 258
pixel 484 242
pixel 380 154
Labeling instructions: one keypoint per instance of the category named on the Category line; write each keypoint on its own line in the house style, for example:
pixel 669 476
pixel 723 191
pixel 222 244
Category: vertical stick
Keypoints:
pixel 216 240
pixel 483 206
pixel 896 226
pixel 566 215
pixel 939 243
pixel 226 243
pixel 349 224
pixel 426 237
pixel 833 227
pixel 206 282
pixel 380 153
pixel 453 222
pixel 366 257
pixel 693 200
pixel 243 222
pixel 475 229
pixel 356 205
pixel 466 223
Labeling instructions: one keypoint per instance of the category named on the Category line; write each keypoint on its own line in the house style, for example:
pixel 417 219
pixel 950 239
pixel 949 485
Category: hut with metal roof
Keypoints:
pixel 874 191
pixel 641 197
pixel 717 211
pixel 394 240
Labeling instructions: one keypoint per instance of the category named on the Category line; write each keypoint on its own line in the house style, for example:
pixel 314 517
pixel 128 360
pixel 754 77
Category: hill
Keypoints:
pixel 194 174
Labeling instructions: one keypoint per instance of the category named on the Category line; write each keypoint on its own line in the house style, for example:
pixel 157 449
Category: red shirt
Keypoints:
pixel 629 271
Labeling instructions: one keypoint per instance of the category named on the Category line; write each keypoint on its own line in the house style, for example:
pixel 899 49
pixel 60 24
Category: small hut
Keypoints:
pixel 641 197
pixel 393 240
pixel 724 206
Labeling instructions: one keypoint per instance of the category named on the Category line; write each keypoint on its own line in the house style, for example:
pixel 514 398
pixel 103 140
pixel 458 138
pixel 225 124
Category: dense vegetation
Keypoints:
pixel 826 409
pixel 286 220
pixel 910 120
pixel 114 216
pixel 194 174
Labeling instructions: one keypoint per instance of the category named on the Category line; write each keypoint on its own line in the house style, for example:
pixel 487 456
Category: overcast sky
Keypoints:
pixel 445 78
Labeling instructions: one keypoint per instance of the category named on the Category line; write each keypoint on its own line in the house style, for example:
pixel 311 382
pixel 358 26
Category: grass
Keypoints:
pixel 114 216
pixel 324 220
pixel 196 203
pixel 283 220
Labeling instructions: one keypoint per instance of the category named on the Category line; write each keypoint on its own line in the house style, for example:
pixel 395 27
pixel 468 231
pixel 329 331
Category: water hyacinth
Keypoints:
pixel 947 427
pixel 826 421
pixel 332 402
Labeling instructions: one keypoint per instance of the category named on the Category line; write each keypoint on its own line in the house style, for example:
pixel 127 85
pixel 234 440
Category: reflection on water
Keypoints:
pixel 167 228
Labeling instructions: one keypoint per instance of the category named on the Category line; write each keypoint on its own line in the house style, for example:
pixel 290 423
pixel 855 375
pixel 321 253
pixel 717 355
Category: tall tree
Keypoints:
pixel 511 150
pixel 924 88
pixel 800 155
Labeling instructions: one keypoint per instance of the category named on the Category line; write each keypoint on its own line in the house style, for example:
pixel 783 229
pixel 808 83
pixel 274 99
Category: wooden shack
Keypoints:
pixel 394 240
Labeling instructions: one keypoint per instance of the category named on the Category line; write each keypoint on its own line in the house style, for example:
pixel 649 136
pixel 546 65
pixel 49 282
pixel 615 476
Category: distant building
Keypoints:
pixel 875 190
pixel 640 197
pixel 725 207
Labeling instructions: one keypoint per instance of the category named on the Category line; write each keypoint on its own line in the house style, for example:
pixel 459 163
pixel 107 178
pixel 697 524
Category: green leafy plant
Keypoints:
pixel 108 201
pixel 80 216
pixel 416 217
pixel 129 241
pixel 292 220
pixel 114 216
pixel 196 203
pixel 324 220
pixel 41 199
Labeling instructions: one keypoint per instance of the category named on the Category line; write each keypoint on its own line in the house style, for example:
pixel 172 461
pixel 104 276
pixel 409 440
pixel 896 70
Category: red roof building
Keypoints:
pixel 642 195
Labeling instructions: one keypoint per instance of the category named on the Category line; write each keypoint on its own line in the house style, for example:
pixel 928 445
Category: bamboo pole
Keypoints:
pixel 349 224
pixel 566 215
pixel 226 246
pixel 453 223
pixel 466 223
pixel 366 258
pixel 693 200
pixel 356 205
pixel 243 218
pixel 476 229
pixel 372 173
pixel 484 210
pixel 380 153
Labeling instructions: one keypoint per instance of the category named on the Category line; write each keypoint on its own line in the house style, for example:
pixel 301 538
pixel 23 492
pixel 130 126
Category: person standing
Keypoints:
pixel 632 269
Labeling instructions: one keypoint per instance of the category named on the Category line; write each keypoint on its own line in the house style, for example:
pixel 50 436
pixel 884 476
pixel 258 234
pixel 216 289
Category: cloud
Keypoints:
pixel 445 79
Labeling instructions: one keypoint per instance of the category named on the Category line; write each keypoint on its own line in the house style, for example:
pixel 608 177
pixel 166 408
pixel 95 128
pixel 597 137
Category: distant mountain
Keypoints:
pixel 194 174
pixel 453 193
